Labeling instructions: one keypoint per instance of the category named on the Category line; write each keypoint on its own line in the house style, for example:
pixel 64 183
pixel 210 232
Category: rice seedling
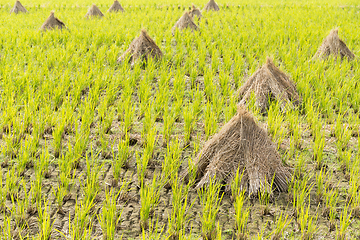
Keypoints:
pixel 329 211
pixel 110 216
pixel 81 225
pixel 12 184
pixel 179 218
pixel 300 191
pixel 120 159
pixel 171 163
pixel 210 199
pixel 149 199
pixel 7 231
pixel 265 194
pixel 189 122
pixel 281 223
pixel 275 123
pixel 3 193
pixel 91 186
pixel 318 148
pixel 307 223
pixel 242 214
pixel 345 221
pixel 45 222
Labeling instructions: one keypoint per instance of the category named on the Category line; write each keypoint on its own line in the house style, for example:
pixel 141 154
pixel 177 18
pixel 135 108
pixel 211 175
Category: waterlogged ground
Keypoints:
pixel 66 105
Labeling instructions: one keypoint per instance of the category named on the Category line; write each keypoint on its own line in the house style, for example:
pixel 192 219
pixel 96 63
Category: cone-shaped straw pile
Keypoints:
pixel 116 7
pixel 18 7
pixel 241 145
pixel 52 23
pixel 211 5
pixel 195 12
pixel 142 48
pixel 94 11
pixel 333 45
pixel 185 22
pixel 269 82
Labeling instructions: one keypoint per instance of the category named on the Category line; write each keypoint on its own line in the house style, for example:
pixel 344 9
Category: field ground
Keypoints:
pixel 83 138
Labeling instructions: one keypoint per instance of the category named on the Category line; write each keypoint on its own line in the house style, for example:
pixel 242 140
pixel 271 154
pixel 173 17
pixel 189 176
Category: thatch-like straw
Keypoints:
pixel 18 7
pixel 333 45
pixel 269 82
pixel 116 7
pixel 142 48
pixel 211 5
pixel 52 23
pixel 241 145
pixel 195 12
pixel 94 11
pixel 185 22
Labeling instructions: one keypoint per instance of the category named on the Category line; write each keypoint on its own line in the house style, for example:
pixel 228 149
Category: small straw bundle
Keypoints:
pixel 52 23
pixel 94 11
pixel 18 7
pixel 142 48
pixel 241 145
pixel 269 82
pixel 185 22
pixel 333 45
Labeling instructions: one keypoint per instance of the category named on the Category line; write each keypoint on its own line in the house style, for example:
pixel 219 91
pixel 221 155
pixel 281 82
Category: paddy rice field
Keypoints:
pixel 94 149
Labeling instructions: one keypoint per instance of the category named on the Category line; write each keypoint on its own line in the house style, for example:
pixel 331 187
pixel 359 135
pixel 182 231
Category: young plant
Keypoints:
pixel 3 193
pixel 120 160
pixel 188 113
pixel 265 194
pixel 281 224
pixel 171 163
pixel 307 223
pixel 109 217
pixel 45 222
pixel 149 199
pixel 91 187
pixel 318 148
pixel 210 120
pixel 210 199
pixel 242 214
pixel 178 218
pixel 345 220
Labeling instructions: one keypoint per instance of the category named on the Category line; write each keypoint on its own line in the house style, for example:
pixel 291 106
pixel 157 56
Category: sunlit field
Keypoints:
pixel 95 149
